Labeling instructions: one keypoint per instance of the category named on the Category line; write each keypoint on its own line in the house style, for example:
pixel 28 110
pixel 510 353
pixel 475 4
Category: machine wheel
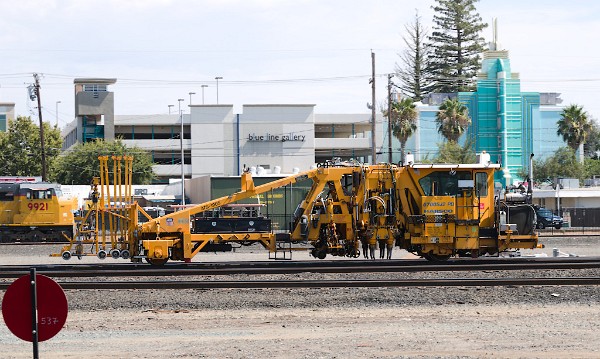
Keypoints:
pixel 541 225
pixel 115 253
pixel 558 226
pixel 102 254
pixel 66 255
pixel 125 254
pixel 157 261
pixel 436 257
pixel 321 254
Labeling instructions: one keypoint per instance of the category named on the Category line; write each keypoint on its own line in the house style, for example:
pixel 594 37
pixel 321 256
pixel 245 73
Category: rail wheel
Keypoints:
pixel 436 257
pixel 322 253
pixel 157 261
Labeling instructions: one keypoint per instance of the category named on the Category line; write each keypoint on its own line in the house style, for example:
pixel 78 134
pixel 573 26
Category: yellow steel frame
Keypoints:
pixel 109 220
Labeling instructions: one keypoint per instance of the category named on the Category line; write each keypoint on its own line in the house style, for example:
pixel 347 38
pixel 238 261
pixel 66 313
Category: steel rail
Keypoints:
pixel 315 263
pixel 418 266
pixel 263 284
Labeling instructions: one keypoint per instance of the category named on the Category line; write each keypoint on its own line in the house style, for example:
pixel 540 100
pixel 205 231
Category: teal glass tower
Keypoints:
pixel 502 115
pixel 508 124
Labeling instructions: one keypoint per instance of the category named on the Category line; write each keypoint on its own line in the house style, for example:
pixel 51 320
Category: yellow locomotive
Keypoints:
pixel 433 210
pixel 32 211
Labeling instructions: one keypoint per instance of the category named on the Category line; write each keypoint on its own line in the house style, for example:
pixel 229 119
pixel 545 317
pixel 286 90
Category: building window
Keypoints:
pixel 94 88
pixel 2 123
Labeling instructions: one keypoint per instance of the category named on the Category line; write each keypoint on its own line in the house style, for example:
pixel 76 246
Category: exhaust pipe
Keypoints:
pixel 530 179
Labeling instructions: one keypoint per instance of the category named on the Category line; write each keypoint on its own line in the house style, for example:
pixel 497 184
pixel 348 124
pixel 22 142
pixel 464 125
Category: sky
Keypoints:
pixel 268 51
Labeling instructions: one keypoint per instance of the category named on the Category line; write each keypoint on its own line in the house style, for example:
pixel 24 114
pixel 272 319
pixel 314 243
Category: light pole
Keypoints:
pixel 57 102
pixel 203 87
pixel 170 108
pixel 182 158
pixel 191 93
pixel 218 78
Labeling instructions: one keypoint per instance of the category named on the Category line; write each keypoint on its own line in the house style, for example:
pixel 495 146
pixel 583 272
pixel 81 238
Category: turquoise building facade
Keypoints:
pixel 507 123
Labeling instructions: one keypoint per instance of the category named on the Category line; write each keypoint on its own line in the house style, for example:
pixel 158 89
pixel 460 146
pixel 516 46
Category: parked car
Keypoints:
pixel 545 218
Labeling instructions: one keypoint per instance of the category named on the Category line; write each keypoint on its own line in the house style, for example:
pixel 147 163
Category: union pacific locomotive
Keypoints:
pixel 34 211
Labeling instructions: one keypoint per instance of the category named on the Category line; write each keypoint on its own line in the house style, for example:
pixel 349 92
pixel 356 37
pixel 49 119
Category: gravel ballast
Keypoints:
pixel 456 322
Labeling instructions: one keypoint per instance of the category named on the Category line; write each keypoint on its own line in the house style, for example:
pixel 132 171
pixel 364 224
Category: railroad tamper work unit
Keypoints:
pixel 433 210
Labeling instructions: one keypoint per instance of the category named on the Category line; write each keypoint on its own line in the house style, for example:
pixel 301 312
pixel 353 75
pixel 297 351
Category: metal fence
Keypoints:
pixel 581 218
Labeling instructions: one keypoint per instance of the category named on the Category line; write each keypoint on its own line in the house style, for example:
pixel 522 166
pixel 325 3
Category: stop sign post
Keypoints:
pixel 34 308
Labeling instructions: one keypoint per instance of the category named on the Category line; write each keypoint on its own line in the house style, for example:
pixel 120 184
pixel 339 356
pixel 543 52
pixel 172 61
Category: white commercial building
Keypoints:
pixel 274 138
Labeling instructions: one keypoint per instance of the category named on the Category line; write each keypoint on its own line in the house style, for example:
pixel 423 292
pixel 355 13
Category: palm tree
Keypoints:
pixel 403 116
pixel 452 119
pixel 574 126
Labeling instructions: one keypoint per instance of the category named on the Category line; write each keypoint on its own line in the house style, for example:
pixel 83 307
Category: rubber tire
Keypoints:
pixel 541 225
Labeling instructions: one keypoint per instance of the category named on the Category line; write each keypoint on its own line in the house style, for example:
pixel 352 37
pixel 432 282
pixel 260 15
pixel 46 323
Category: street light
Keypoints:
pixel 203 86
pixel 182 159
pixel 170 108
pixel 57 102
pixel 218 78
pixel 191 93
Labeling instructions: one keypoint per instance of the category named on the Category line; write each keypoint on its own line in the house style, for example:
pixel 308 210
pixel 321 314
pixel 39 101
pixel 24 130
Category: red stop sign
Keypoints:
pixel 52 308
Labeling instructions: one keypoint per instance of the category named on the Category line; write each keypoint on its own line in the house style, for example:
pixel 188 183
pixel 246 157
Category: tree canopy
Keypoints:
pixel 80 163
pixel 452 119
pixel 403 117
pixel 574 126
pixel 452 152
pixel 414 71
pixel 562 164
pixel 457 44
pixel 20 147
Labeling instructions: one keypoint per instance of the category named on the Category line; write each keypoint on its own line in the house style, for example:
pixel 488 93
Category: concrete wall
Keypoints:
pixel 213 140
pixel 277 135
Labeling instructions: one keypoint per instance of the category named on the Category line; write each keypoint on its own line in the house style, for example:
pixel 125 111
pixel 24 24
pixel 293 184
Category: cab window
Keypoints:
pixel 481 184
pixel 7 196
pixel 443 183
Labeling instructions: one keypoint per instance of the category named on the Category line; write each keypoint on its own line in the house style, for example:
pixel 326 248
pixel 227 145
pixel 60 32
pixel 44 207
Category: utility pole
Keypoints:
pixel 389 113
pixel 373 106
pixel 57 102
pixel 42 144
pixel 182 155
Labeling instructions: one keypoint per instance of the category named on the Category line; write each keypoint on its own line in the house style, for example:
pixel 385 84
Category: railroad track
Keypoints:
pixel 262 284
pixel 341 266
pixel 179 271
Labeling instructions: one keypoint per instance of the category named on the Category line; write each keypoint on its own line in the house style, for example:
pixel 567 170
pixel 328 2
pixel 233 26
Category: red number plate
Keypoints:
pixel 37 206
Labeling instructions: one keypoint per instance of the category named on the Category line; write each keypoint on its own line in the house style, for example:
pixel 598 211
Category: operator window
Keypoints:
pixel 481 185
pixel 443 183
pixel 7 196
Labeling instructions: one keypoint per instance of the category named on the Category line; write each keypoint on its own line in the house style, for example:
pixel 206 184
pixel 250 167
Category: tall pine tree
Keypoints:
pixel 457 44
pixel 414 71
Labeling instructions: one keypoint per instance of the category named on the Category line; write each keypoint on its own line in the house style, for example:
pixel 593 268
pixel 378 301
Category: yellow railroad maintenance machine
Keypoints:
pixel 433 210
